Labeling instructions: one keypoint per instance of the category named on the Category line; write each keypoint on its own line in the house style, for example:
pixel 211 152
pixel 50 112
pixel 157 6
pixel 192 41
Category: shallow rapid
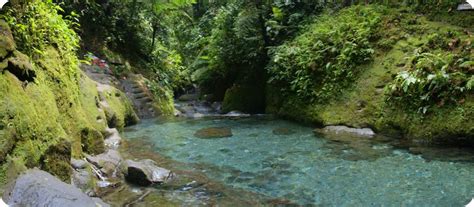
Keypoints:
pixel 287 161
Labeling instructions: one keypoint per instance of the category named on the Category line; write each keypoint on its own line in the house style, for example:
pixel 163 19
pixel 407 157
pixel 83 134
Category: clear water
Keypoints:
pixel 306 169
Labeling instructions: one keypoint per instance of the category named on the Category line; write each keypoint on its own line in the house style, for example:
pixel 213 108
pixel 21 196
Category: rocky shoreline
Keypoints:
pixel 93 177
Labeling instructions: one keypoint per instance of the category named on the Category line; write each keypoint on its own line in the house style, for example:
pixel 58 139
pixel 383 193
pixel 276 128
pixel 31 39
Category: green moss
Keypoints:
pixel 92 141
pixel 6 145
pixel 45 102
pixel 118 110
pixel 244 98
pixel 3 177
pixel 56 160
pixel 164 103
pixel 364 103
pixel 7 44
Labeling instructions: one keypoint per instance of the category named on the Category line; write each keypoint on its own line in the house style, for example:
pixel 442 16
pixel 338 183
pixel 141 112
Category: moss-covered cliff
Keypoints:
pixel 440 110
pixel 49 110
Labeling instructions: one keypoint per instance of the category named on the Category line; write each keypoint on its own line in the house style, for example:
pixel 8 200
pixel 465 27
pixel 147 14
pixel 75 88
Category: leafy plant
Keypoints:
pixel 39 24
pixel 431 79
pixel 323 60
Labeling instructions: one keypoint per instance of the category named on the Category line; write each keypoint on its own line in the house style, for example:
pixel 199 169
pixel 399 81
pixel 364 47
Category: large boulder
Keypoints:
pixel 39 188
pixel 213 132
pixel 145 173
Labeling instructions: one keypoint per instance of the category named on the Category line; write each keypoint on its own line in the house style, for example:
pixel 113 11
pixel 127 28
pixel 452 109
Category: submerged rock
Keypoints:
pixel 39 188
pixel 283 131
pixel 145 173
pixel 362 132
pixel 214 132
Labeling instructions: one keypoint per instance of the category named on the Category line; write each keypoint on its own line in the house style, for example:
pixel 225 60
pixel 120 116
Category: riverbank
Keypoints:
pixel 373 98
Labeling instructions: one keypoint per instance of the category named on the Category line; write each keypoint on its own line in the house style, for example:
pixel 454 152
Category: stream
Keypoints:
pixel 268 161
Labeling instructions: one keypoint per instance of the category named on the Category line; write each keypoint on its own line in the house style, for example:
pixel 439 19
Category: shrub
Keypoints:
pixel 323 60
pixel 38 25
pixel 431 79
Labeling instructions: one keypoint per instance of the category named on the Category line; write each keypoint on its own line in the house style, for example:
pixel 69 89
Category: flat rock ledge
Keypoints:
pixel 344 130
pixel 39 188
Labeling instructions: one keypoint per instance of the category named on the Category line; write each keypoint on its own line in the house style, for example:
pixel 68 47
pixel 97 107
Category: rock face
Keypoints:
pixel 341 130
pixel 39 188
pixel 145 173
pixel 213 132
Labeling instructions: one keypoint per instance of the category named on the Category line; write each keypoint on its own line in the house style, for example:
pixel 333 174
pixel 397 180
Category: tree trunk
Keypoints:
pixel 155 29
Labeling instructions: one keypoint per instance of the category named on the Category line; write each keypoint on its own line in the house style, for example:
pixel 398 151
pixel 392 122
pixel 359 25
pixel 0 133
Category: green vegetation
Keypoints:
pixel 46 101
pixel 404 88
pixel 321 62
pixel 401 69
pixel 445 77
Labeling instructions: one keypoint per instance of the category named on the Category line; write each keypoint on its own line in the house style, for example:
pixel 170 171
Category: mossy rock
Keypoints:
pixel 7 44
pixel 119 110
pixel 7 142
pixel 92 141
pixel 56 160
pixel 20 66
pixel 213 132
pixel 244 98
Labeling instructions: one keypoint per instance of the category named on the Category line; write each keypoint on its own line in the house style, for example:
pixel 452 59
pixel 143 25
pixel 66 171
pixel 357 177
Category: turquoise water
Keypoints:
pixel 306 169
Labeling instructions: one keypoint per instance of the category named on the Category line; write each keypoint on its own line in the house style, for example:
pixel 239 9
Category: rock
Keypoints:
pixel 82 179
pixel 177 113
pixel 283 131
pixel 78 164
pixel 145 173
pixel 7 43
pixel 57 160
pixel 39 188
pixel 188 97
pixel 93 141
pixel 107 162
pixel 237 114
pixel 7 142
pixel 196 115
pixel 337 130
pixel 113 140
pixel 217 106
pixel 214 132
